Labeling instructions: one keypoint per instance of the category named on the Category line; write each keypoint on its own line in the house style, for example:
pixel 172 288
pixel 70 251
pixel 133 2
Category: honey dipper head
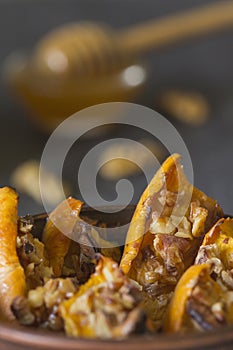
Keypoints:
pixel 83 49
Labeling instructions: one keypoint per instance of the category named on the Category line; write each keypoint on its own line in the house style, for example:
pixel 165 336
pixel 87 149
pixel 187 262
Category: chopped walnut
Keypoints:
pixel 181 226
pixel 162 226
pixel 218 310
pixel 198 216
pixel 227 278
pixel 25 223
pixel 32 255
pixel 167 198
pixel 21 309
pixel 207 304
pixel 157 269
pixel 40 308
pixel 211 254
pixel 148 267
pixel 171 250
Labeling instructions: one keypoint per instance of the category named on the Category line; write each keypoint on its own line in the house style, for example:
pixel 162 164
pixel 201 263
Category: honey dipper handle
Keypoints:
pixel 174 28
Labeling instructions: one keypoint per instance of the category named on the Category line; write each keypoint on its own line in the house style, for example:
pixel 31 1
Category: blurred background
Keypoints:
pixel 191 83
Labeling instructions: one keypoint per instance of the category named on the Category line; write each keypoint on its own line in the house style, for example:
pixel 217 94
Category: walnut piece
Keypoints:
pixel 40 308
pixel 32 256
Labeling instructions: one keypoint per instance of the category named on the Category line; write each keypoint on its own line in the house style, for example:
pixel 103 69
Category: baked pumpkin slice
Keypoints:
pixel 217 250
pixel 203 298
pixel 57 243
pixel 12 278
pixel 71 242
pixel 106 306
pixel 167 228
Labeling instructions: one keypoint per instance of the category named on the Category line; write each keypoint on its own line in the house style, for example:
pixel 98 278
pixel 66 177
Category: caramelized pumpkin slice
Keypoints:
pixel 71 253
pixel 57 243
pixel 203 298
pixel 12 279
pixel 168 225
pixel 217 250
pixel 105 307
pixel 198 303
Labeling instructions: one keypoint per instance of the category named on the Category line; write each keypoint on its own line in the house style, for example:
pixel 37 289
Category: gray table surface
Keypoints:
pixel 204 65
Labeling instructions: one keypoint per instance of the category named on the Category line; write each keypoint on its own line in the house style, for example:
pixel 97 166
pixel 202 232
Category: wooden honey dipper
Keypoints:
pixel 88 49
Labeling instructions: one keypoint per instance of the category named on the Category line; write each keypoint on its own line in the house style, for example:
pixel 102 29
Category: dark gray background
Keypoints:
pixel 204 64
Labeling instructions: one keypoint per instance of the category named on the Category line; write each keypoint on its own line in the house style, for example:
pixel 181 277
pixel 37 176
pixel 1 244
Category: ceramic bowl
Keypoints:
pixel 15 337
